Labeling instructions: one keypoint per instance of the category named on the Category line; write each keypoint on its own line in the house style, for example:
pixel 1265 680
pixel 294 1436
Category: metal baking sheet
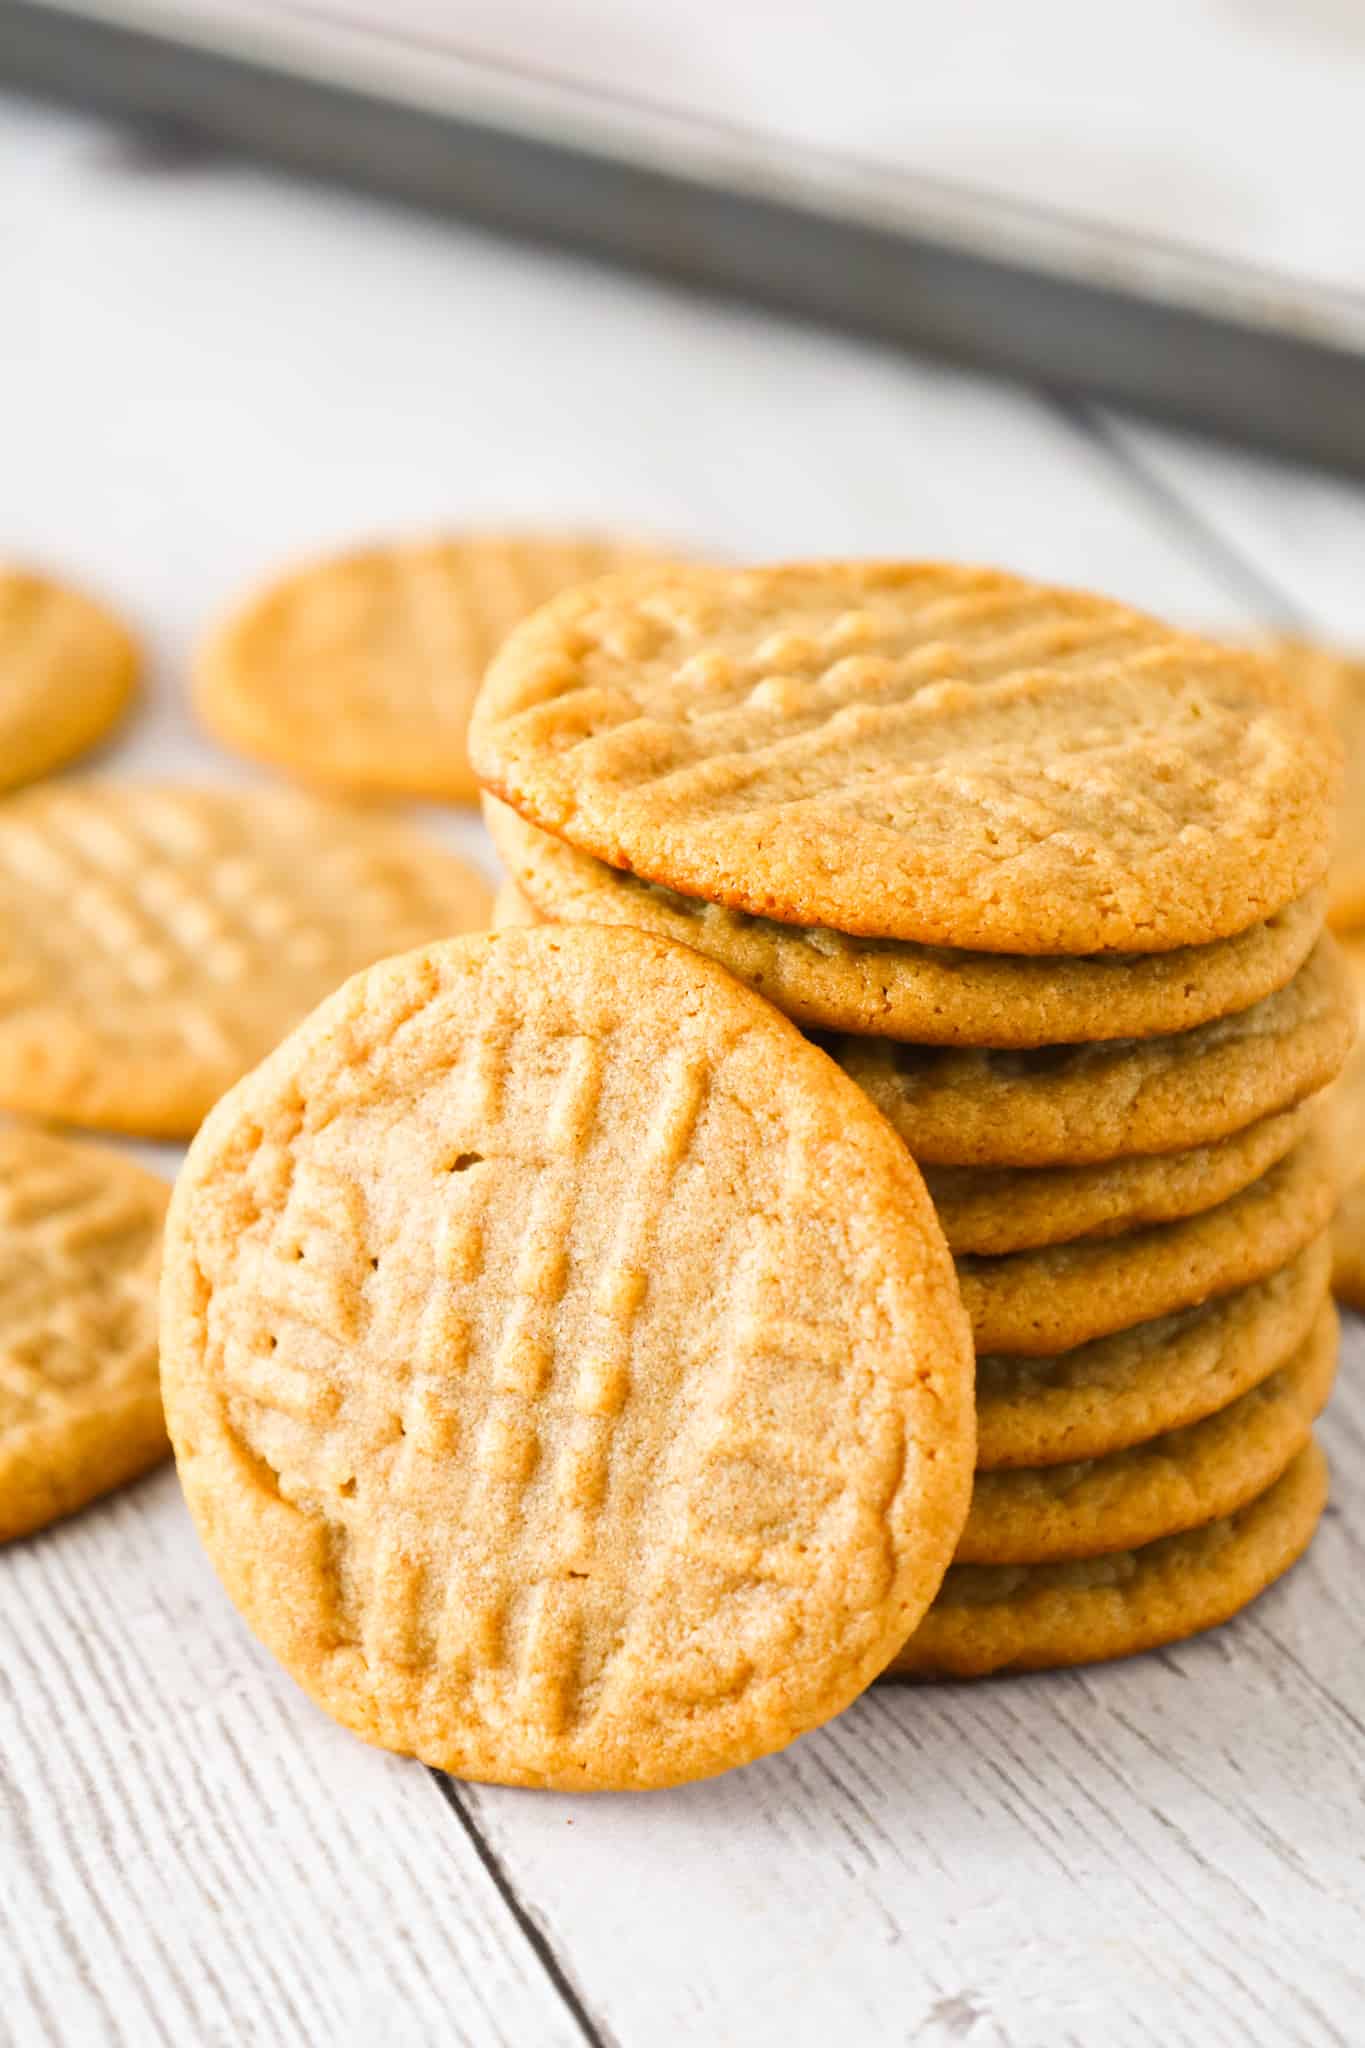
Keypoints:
pixel 811 229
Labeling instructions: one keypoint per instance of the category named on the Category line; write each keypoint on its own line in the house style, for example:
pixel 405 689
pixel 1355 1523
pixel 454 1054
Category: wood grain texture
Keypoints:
pixel 190 1852
pixel 1167 1851
pixel 1162 1850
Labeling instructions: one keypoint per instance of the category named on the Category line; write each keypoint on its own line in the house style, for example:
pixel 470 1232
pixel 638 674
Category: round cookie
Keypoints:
pixel 564 1364
pixel 67 671
pixel 1344 1120
pixel 914 751
pixel 511 908
pixel 1018 1208
pixel 156 943
pixel 1162 1375
pixel 1348 1249
pixel 934 995
pixel 1068 1294
pixel 1084 1104
pixel 1172 1482
pixel 1042 1617
pixel 1337 683
pixel 359 671
pixel 80 1250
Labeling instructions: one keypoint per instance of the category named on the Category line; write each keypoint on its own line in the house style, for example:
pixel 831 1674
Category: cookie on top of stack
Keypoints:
pixel 1049 875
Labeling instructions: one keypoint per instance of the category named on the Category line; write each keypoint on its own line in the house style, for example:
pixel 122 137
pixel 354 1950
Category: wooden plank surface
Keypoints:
pixel 212 371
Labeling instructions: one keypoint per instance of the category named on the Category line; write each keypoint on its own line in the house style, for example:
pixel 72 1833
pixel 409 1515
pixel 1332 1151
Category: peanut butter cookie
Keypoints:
pixel 916 751
pixel 1172 1482
pixel 1101 1397
pixel 80 1250
pixel 1046 1301
pixel 1036 1617
pixel 891 988
pixel 156 943
pixel 359 671
pixel 564 1364
pixel 67 671
pixel 1080 1105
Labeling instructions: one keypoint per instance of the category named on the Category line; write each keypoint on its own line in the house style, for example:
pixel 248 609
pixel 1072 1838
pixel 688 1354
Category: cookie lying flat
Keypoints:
pixel 890 988
pixel 359 671
pixel 1344 1120
pixel 914 751
pixel 1348 1249
pixel 155 943
pixel 1161 1375
pixel 80 1249
pixel 1083 1104
pixel 1067 1294
pixel 1017 1208
pixel 67 671
pixel 511 908
pixel 564 1364
pixel 1337 682
pixel 1038 1617
pixel 1155 1489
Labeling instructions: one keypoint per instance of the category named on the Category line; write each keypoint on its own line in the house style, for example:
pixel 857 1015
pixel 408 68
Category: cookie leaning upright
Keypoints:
pixel 80 1406
pixel 564 1364
pixel 359 671
pixel 922 752
pixel 68 669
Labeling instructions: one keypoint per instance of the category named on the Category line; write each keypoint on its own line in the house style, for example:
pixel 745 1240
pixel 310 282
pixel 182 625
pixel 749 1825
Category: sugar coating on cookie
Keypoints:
pixel 890 988
pixel 359 671
pixel 1100 1397
pixel 80 1405
pixel 564 1364
pixel 156 943
pixel 1174 1481
pixel 917 751
pixel 1085 1104
pixel 68 669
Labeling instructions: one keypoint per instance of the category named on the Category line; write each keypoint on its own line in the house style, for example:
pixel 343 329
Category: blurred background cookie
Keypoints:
pixel 68 669
pixel 359 671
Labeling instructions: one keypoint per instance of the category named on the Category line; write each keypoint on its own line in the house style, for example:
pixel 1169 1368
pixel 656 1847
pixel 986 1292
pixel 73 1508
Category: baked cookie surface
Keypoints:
pixel 359 671
pixel 1161 1375
pixel 1337 684
pixel 156 943
pixel 1172 1482
pixel 915 751
pixel 935 995
pixel 564 1364
pixel 1046 1301
pixel 1344 1120
pixel 1018 1208
pixel 80 1402
pixel 1038 1617
pixel 68 669
pixel 1084 1104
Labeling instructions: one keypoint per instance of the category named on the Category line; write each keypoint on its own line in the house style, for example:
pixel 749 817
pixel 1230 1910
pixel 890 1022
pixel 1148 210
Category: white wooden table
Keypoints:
pixel 204 371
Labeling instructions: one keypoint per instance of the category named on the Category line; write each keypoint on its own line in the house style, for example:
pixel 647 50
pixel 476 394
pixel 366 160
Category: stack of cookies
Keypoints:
pixel 1045 877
